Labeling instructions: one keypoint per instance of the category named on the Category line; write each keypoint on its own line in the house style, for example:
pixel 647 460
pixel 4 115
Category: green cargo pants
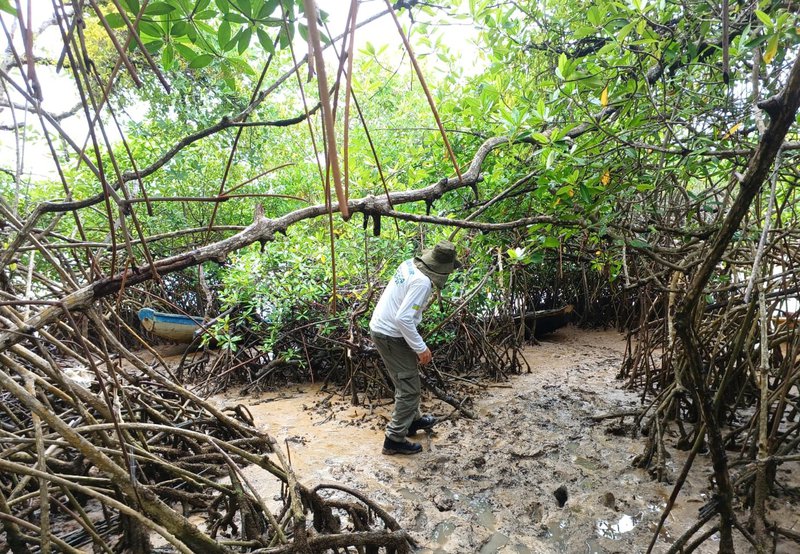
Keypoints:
pixel 401 364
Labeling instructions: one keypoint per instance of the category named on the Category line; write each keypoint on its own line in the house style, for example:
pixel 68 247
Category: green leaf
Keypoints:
pixel 115 20
pixel 234 17
pixel 623 33
pixel 223 5
pixel 608 49
pixel 224 34
pixel 765 19
pixel 245 6
pixel 594 16
pixel 551 158
pixel 772 48
pixel 201 26
pixel 149 29
pixel 551 242
pixel 244 40
pixel 758 40
pixel 132 5
pixel 154 45
pixel 265 41
pixel 241 65
pixel 179 29
pixel 267 9
pixel 283 39
pixel 233 42
pixel 201 61
pixel 188 53
pixel 586 194
pixel 168 56
pixel 159 8
pixel 563 70
pixel 566 190
pixel 583 32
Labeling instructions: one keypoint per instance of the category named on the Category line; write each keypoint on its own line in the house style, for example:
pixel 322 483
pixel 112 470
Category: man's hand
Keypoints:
pixel 425 357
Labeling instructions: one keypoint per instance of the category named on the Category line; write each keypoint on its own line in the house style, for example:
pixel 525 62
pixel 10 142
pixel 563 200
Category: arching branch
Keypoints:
pixel 262 230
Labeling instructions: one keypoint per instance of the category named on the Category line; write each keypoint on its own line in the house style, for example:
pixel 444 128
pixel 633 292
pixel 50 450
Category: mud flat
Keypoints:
pixel 535 474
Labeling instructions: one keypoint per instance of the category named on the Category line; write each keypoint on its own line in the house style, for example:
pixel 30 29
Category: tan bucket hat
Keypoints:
pixel 438 262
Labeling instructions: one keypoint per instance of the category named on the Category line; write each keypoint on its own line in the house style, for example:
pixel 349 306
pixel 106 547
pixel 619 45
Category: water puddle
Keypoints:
pixel 494 544
pixel 409 494
pixel 558 534
pixel 615 530
pixel 573 448
pixel 442 532
pixel 482 509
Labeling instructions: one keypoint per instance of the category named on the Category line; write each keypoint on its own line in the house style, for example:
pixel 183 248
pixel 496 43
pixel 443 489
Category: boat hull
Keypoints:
pixel 174 327
pixel 544 322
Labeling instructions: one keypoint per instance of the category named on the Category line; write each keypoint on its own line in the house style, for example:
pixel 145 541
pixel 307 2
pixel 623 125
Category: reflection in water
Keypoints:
pixel 615 530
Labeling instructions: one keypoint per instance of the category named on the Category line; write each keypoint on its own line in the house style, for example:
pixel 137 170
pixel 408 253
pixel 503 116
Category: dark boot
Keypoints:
pixel 425 422
pixel 391 447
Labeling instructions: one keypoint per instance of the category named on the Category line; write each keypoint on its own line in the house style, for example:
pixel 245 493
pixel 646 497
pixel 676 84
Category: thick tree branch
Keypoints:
pixel 261 230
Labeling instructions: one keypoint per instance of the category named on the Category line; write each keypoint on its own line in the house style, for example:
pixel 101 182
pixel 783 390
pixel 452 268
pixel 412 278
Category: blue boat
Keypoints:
pixel 174 327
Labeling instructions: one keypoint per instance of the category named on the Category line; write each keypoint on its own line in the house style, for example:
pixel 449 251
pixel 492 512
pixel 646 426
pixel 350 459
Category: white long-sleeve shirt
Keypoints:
pixel 400 307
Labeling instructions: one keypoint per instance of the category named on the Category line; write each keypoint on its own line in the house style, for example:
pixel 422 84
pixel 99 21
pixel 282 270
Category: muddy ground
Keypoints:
pixel 489 485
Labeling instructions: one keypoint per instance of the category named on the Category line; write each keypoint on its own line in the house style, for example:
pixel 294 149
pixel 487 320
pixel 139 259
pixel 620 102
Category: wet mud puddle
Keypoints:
pixel 533 475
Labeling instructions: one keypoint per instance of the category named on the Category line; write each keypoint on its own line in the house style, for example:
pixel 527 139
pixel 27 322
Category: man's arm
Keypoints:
pixel 413 303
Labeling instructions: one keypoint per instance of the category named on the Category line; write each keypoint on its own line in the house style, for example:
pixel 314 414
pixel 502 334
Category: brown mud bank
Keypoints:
pixel 534 474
